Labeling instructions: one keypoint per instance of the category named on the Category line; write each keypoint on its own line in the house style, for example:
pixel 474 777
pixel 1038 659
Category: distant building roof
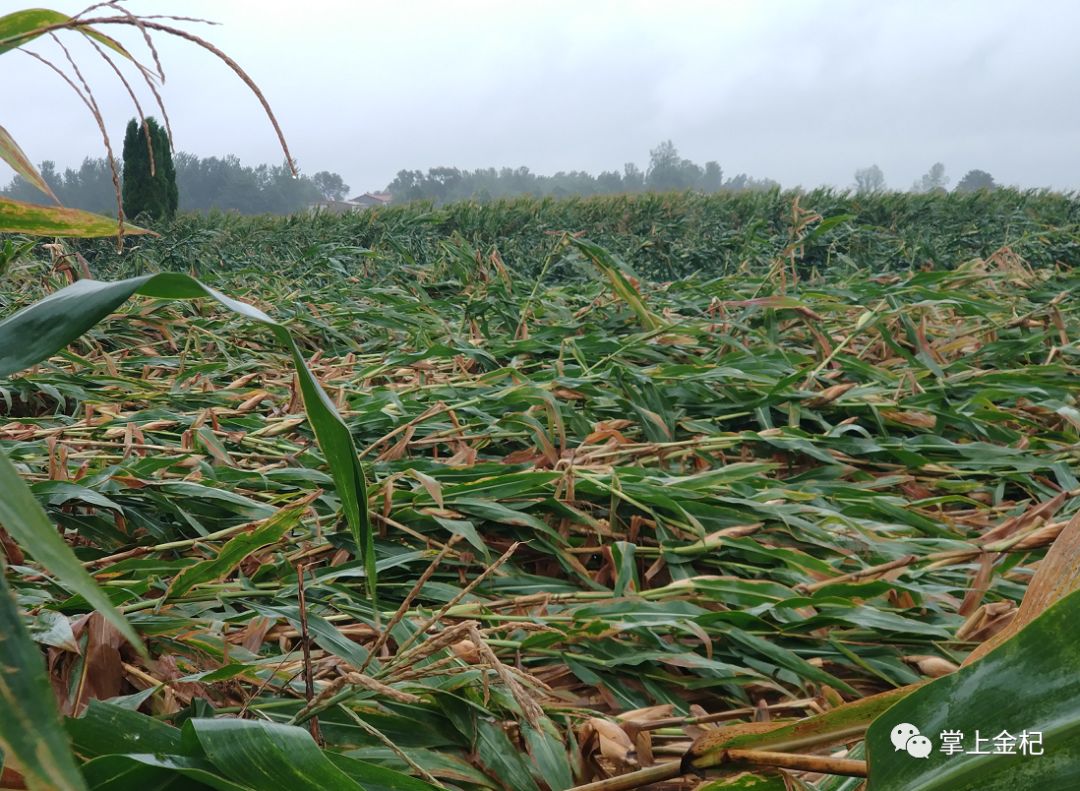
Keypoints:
pixel 365 201
pixel 371 199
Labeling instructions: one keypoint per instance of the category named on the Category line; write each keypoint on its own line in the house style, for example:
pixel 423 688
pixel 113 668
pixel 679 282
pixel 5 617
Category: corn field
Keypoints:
pixel 651 489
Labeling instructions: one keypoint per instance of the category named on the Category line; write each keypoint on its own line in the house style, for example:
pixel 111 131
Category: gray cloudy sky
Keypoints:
pixel 802 92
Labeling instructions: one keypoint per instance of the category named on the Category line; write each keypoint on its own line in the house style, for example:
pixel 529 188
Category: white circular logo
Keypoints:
pixel 919 747
pixel 901 733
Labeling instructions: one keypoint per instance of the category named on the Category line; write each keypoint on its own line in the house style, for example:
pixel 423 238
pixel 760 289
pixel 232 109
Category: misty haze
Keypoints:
pixel 554 396
pixel 803 94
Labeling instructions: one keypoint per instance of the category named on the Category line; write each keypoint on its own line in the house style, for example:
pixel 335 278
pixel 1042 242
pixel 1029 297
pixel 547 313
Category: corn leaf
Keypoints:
pixel 30 218
pixel 835 726
pixel 14 156
pixel 47 326
pixel 613 269
pixel 238 548
pixel 30 730
pixel 24 519
pixel 105 728
pixel 1027 685
pixel 269 756
pixel 22 27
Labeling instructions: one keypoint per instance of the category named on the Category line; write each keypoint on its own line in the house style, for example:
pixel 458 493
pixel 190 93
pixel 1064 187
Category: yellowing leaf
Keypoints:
pixel 30 218
pixel 14 156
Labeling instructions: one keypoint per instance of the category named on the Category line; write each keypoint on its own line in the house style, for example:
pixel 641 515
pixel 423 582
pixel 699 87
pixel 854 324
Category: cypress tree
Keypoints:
pixel 154 195
pixel 172 194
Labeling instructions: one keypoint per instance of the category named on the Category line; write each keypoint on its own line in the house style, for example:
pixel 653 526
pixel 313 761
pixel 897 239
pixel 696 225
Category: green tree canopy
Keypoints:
pixel 204 184
pixel 149 175
pixel 330 185
pixel 869 179
pixel 669 171
pixel 975 180
pixel 934 180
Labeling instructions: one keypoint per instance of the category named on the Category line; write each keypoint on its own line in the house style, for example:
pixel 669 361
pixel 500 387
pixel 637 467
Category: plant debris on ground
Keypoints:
pixel 615 506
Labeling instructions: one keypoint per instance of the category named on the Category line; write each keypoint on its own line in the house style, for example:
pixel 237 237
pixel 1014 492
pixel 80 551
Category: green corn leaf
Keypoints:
pixel 24 518
pixel 30 218
pixel 269 756
pixel 500 757
pixel 1030 683
pixel 613 268
pixel 106 728
pixel 377 778
pixel 548 755
pixel 238 548
pixel 140 771
pixel 30 729
pixel 47 326
pixel 22 27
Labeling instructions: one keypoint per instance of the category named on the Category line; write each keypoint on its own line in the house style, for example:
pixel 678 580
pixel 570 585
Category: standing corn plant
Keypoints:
pixel 30 732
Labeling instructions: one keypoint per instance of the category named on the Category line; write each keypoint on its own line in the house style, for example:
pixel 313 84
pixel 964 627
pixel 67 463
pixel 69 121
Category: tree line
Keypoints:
pixel 203 184
pixel 181 181
pixel 667 171
pixel 872 179
pixel 192 183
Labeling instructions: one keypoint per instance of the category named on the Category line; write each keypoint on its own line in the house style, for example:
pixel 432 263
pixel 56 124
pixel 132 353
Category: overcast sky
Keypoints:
pixel 803 92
